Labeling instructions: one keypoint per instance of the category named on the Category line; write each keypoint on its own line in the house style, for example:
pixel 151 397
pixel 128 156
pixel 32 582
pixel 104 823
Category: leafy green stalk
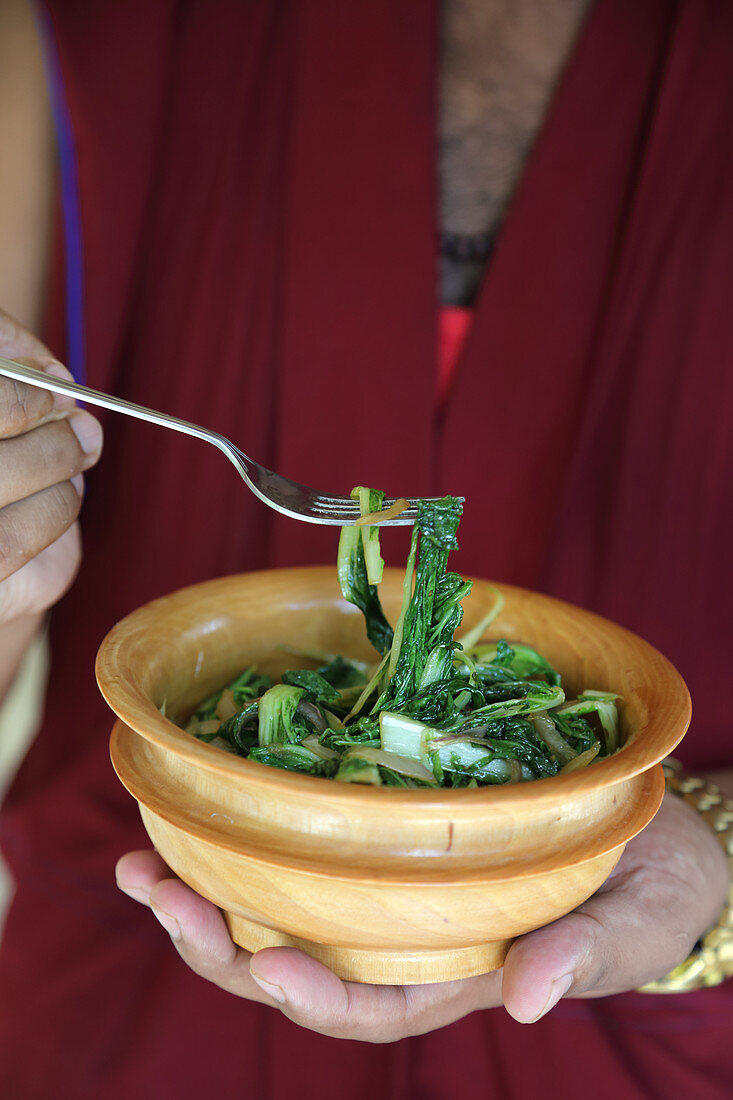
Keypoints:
pixel 370 500
pixel 434 610
pixel 293 758
pixel 342 673
pixel 248 685
pixel 475 761
pixel 277 712
pixel 355 769
pixel 241 729
pixel 313 684
pixel 356 588
pixel 602 704
pixel 521 660
pixel 399 629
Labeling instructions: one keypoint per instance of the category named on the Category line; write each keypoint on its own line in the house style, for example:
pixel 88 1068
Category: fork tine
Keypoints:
pixel 349 504
pixel 346 510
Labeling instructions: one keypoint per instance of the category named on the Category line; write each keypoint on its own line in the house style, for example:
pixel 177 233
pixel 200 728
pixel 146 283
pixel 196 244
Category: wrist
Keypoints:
pixel 711 961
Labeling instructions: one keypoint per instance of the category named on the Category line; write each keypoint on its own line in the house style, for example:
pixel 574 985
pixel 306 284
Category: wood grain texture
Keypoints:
pixel 384 885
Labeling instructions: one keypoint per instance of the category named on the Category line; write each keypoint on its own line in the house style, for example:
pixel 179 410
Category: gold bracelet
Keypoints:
pixel 711 961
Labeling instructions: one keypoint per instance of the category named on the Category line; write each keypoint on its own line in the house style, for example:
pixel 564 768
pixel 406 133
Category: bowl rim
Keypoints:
pixel 265 856
pixel 126 698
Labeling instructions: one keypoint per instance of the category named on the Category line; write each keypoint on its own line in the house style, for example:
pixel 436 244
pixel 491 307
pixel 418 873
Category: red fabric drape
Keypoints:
pixel 259 220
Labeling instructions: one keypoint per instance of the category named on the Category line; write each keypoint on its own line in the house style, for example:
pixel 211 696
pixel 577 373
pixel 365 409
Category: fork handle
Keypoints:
pixel 33 377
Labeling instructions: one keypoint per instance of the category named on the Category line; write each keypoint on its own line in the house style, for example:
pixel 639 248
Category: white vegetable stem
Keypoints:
pixel 404 736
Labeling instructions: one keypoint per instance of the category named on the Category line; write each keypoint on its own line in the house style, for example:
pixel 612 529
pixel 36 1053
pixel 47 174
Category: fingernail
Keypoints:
pixel 272 990
pixel 558 989
pixel 138 893
pixel 87 431
pixel 58 370
pixel 170 923
pixel 78 482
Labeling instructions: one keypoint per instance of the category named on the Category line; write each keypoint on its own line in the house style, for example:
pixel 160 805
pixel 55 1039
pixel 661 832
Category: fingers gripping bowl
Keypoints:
pixel 383 885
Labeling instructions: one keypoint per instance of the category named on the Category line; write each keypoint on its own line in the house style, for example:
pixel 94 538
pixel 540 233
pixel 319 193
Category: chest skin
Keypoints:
pixel 500 63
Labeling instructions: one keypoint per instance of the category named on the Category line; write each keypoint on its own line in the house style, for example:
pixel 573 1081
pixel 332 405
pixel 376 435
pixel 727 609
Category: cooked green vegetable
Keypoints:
pixel 434 611
pixel 277 720
pixel 354 572
pixel 248 685
pixel 313 684
pixel 433 711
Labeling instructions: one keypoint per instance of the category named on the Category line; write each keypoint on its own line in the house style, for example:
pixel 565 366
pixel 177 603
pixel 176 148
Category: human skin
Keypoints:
pixel 45 443
pixel 670 884
pixel 667 890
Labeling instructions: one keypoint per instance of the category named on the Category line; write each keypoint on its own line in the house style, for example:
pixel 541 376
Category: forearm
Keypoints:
pixel 26 205
pixel 27 176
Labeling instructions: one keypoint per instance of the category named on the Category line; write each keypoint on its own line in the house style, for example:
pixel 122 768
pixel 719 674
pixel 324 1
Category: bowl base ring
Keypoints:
pixel 375 966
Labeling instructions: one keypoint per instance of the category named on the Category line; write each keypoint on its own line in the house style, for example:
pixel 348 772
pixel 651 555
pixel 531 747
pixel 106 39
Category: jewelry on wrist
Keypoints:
pixel 711 961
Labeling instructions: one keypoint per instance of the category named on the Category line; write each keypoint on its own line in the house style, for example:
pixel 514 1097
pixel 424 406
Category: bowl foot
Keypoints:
pixel 375 966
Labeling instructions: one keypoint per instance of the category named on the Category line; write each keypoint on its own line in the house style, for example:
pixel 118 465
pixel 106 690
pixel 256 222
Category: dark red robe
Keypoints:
pixel 256 241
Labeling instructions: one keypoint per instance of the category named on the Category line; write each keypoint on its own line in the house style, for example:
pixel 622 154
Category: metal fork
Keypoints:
pixel 285 496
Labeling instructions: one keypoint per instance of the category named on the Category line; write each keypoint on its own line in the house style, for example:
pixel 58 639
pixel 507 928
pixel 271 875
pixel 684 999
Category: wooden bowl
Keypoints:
pixel 383 885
